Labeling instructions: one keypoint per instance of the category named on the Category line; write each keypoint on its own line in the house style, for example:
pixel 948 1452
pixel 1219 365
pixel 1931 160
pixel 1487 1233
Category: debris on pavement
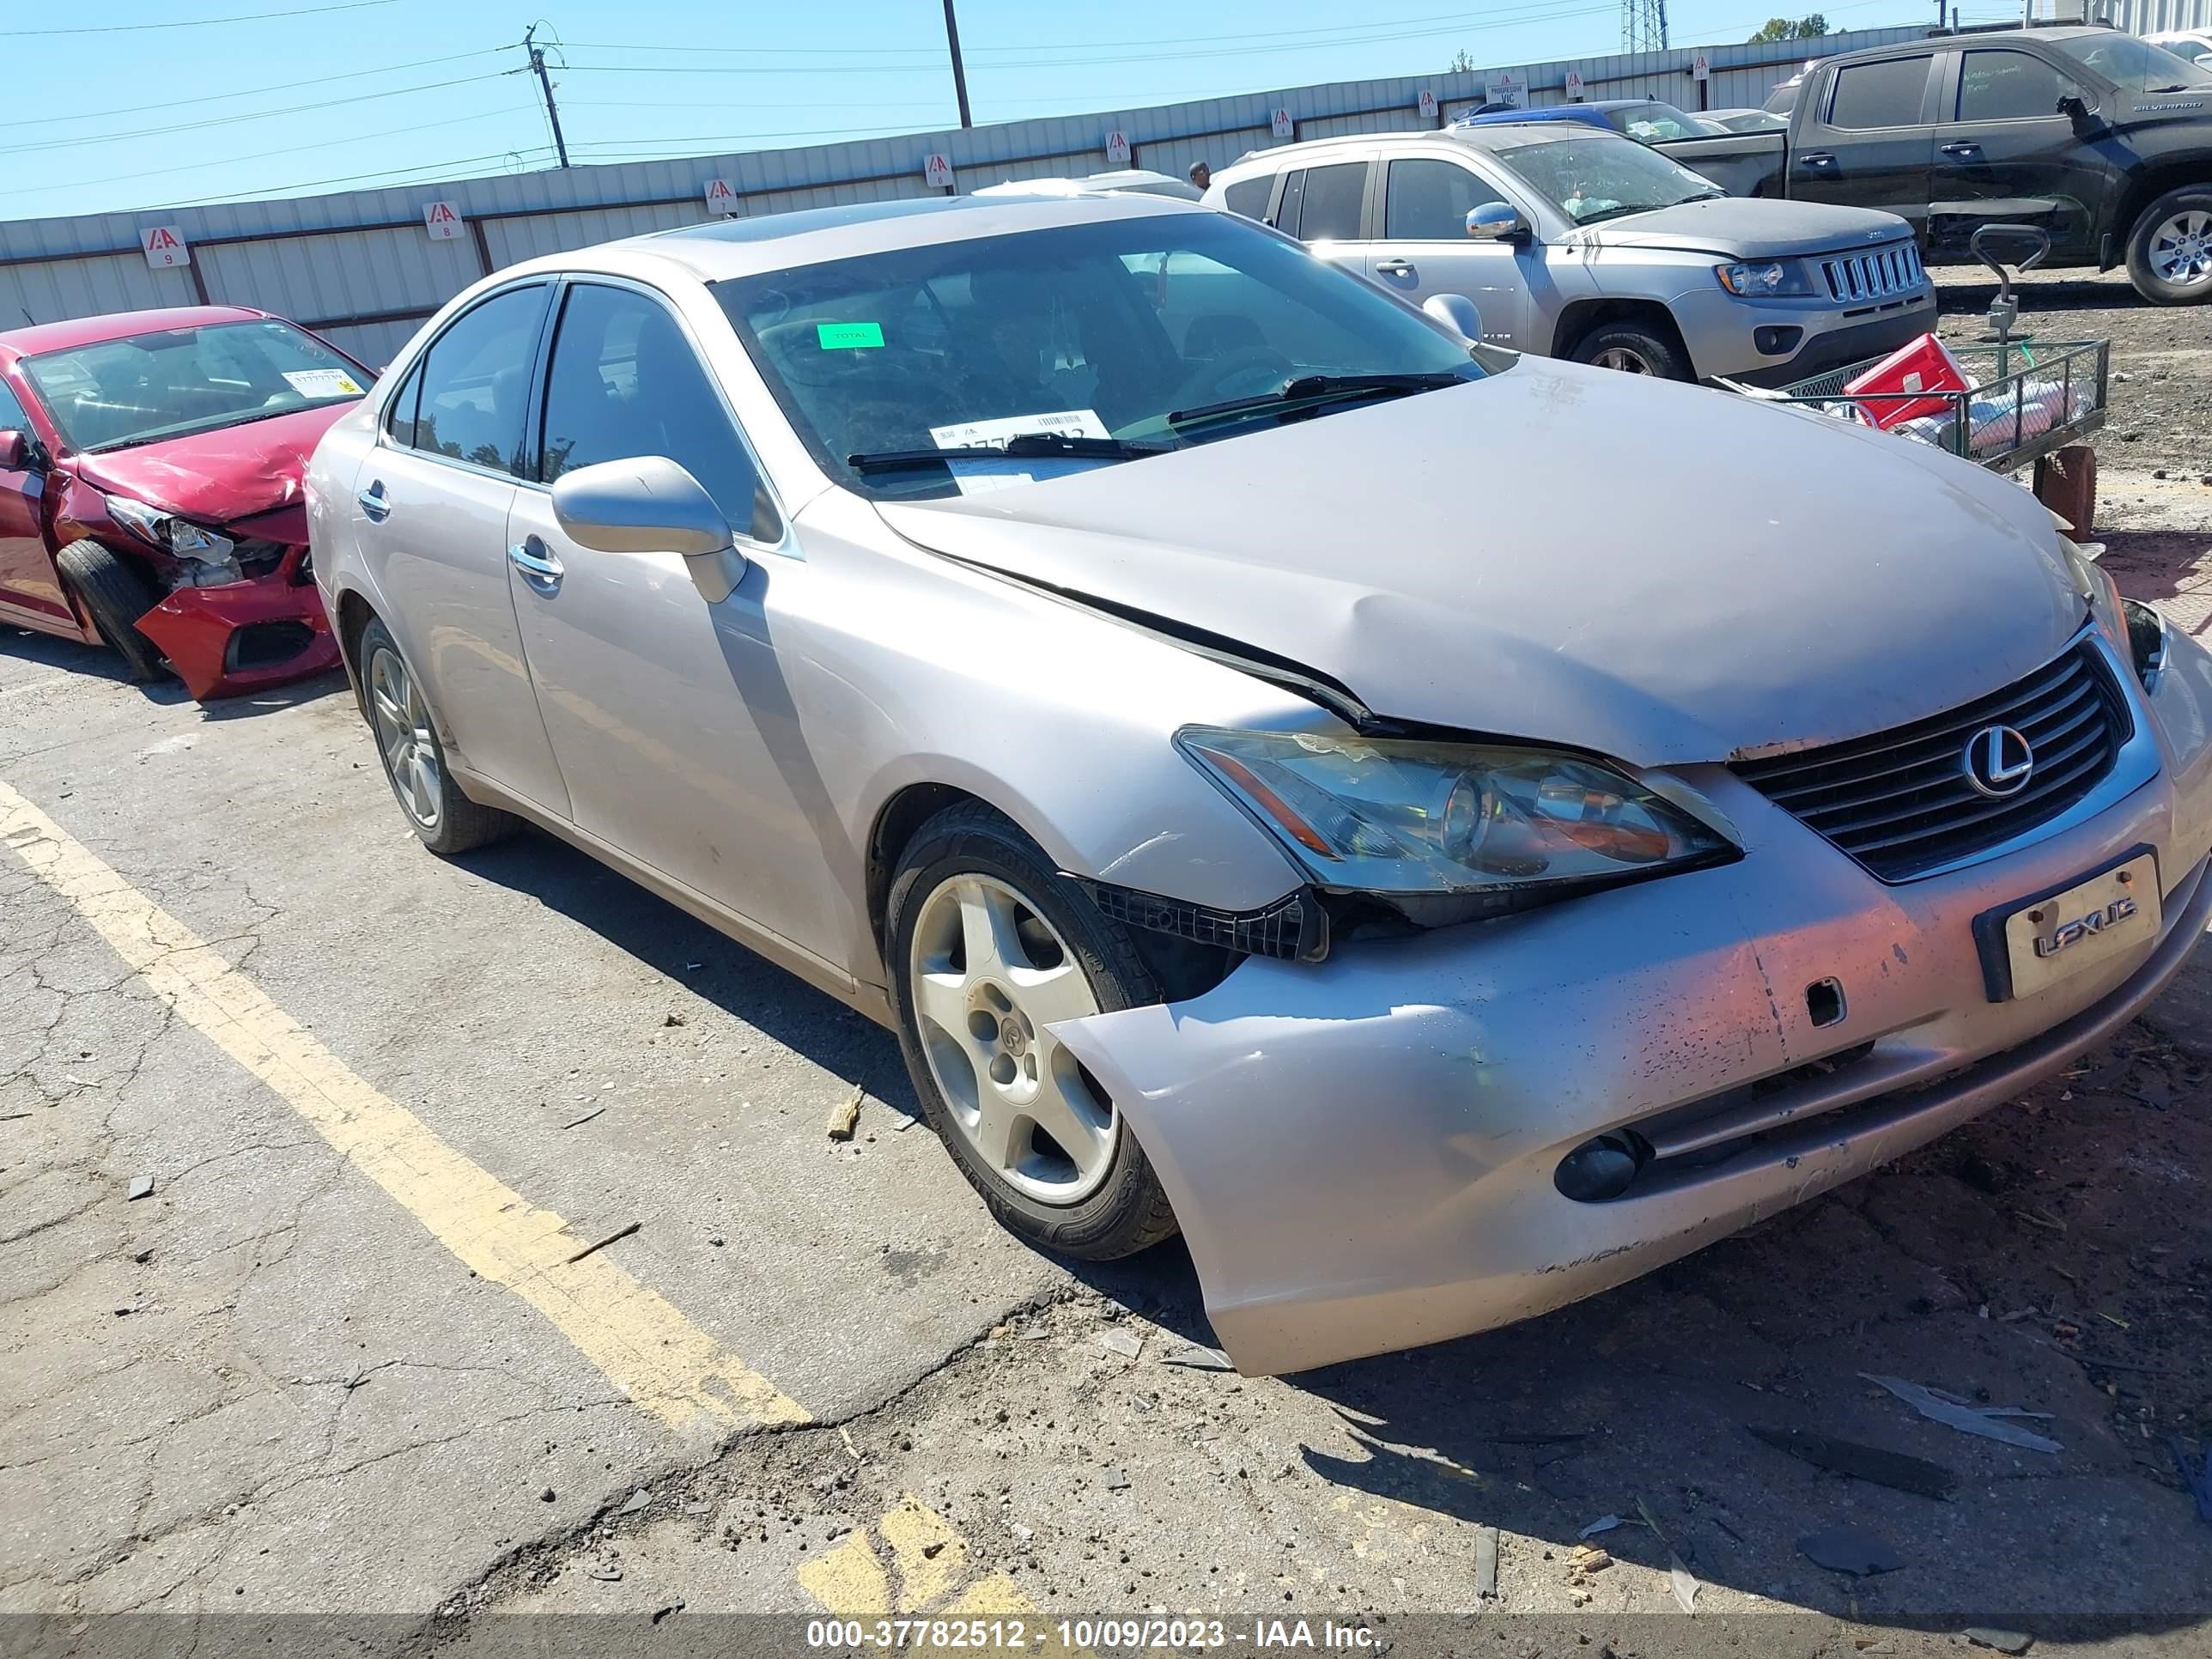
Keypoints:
pixel 1874 1463
pixel 573 1121
pixel 2196 1471
pixel 605 1570
pixel 545 1496
pixel 1988 1421
pixel 2004 1641
pixel 615 1236
pixel 1127 1344
pixel 1485 1562
pixel 140 1187
pixel 636 1501
pixel 1197 1357
pixel 667 1608
pixel 1116 1481
pixel 847 1118
pixel 1683 1582
pixel 1603 1523
pixel 667 1020
pixel 1852 1550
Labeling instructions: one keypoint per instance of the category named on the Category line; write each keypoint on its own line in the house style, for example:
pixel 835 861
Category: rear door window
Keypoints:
pixel 1334 195
pixel 1888 94
pixel 1249 196
pixel 475 381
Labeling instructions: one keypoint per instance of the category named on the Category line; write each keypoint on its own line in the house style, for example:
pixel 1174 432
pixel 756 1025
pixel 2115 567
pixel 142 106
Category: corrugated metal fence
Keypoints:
pixel 363 267
pixel 2153 16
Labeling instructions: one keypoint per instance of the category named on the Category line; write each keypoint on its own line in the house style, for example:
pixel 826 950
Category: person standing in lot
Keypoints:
pixel 1200 175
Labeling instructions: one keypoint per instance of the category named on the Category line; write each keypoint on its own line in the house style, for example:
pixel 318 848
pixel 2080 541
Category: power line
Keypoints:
pixel 397 175
pixel 45 120
pixel 234 120
pixel 202 23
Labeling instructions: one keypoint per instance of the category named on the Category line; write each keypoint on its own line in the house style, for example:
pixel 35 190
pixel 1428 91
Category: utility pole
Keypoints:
pixel 959 74
pixel 552 112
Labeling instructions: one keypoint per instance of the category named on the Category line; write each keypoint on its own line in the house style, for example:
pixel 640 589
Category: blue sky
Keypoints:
pixel 363 92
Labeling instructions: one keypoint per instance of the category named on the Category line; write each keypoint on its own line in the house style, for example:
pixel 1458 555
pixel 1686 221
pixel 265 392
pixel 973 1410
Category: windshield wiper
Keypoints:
pixel 1315 388
pixel 1023 445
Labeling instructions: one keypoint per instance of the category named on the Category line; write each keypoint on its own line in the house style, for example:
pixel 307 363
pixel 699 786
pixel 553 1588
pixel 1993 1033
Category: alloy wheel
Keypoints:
pixel 2180 250
pixel 402 738
pixel 1624 360
pixel 988 974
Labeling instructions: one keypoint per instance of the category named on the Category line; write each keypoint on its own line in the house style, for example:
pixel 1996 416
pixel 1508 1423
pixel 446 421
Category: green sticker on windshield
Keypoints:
pixel 838 336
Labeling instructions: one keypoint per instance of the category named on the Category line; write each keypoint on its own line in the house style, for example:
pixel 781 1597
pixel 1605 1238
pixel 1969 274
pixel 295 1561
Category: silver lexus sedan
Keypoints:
pixel 1448 831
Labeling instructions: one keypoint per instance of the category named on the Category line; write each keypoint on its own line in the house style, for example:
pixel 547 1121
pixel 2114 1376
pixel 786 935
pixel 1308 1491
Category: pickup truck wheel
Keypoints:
pixel 114 595
pixel 2170 249
pixel 1633 349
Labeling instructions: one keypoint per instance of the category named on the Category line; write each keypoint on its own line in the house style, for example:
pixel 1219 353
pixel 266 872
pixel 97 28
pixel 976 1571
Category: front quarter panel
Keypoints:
pixel 904 668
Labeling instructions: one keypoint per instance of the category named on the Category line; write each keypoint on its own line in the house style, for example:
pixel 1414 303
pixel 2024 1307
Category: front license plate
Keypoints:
pixel 2092 922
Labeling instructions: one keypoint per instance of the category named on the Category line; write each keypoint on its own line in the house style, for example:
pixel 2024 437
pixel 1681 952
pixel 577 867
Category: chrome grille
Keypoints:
pixel 1899 802
pixel 1879 274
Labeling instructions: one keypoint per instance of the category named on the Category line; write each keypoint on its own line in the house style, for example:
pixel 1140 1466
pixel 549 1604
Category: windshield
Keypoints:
pixel 2131 65
pixel 147 386
pixel 1602 178
pixel 1097 332
pixel 1656 122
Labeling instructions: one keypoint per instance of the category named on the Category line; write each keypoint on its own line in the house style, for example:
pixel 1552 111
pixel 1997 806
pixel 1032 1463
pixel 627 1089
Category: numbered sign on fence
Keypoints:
pixel 164 246
pixel 442 220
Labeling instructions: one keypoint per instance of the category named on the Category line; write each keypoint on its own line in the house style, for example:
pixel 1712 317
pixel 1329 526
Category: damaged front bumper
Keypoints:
pixel 1364 1152
pixel 247 636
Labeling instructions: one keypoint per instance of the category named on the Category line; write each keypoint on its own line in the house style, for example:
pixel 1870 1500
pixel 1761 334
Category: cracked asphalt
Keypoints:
pixel 267 1386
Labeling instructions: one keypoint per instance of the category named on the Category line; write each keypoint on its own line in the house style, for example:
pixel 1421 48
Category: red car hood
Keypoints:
pixel 217 478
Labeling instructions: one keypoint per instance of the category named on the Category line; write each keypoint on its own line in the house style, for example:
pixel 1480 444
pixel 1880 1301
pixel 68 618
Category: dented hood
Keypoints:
pixel 216 477
pixel 1659 572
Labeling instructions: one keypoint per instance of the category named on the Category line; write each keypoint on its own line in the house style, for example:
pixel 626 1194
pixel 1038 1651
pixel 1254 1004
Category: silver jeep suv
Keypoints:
pixel 1573 241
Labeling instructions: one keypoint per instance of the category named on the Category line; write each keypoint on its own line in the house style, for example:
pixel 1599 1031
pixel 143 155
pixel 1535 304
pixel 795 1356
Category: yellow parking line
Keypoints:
pixel 913 1562
pixel 646 1347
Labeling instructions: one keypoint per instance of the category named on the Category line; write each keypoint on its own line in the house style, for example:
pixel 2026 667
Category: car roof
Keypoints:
pixel 743 248
pixel 1488 134
pixel 116 325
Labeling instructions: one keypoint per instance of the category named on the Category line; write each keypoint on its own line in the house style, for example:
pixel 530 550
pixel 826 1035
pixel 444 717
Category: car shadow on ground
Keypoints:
pixel 98 662
pixel 1977 1265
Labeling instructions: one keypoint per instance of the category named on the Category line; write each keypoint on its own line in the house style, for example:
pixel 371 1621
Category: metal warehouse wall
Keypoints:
pixel 2153 16
pixel 361 267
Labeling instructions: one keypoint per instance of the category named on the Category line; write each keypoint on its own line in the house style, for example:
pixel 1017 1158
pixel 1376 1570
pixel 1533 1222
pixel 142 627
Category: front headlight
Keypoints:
pixel 1413 819
pixel 1765 279
pixel 188 541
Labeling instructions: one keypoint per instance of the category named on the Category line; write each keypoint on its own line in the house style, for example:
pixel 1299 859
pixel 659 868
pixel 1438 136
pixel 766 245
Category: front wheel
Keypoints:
pixel 114 595
pixel 2170 249
pixel 1633 349
pixel 989 947
pixel 443 818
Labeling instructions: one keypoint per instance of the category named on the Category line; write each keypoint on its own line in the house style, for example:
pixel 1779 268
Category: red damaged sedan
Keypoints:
pixel 150 489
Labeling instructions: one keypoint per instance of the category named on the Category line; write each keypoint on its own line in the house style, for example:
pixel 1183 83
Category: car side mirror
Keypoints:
pixel 1457 312
pixel 1496 222
pixel 2071 105
pixel 14 451
pixel 650 505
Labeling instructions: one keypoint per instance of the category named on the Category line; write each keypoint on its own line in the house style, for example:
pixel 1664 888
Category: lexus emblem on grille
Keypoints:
pixel 1998 761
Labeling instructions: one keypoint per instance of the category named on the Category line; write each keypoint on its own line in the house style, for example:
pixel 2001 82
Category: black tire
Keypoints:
pixel 1667 359
pixel 114 595
pixel 1127 1211
pixel 2191 198
pixel 459 824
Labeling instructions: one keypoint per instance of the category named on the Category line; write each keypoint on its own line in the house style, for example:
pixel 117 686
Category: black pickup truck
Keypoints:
pixel 2102 140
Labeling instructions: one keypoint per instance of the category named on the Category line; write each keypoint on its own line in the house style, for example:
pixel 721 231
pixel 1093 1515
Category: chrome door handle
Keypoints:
pixel 538 562
pixel 373 506
pixel 1819 159
pixel 1394 268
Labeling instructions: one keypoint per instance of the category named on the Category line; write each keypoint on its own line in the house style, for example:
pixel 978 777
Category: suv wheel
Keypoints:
pixel 1633 349
pixel 114 595
pixel 2170 249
